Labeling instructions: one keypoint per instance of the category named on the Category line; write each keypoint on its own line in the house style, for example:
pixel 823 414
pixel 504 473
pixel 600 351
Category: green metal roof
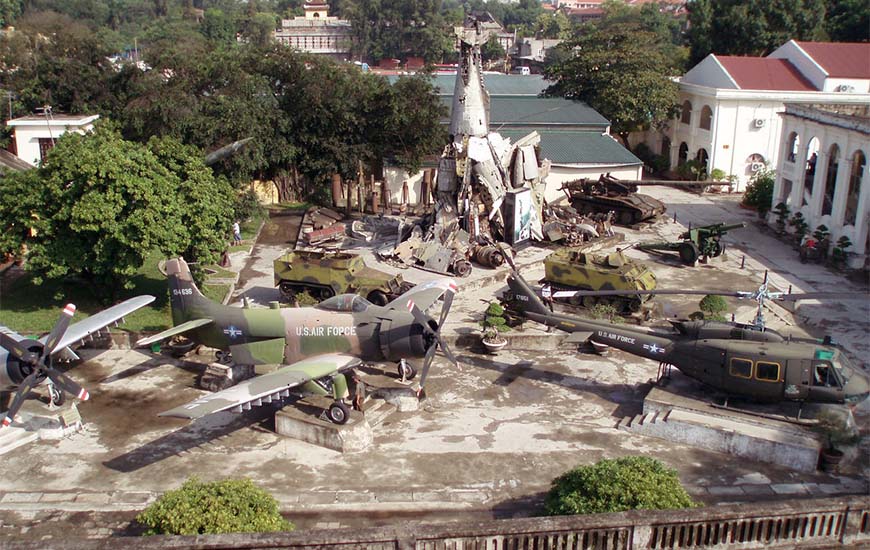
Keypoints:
pixel 496 84
pixel 540 112
pixel 576 147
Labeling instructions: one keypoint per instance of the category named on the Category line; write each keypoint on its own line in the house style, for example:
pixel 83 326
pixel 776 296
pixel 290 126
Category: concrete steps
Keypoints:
pixel 377 410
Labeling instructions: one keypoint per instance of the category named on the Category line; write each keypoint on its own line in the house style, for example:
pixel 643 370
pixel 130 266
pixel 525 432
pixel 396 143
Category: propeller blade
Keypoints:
pixel 67 384
pixel 25 387
pixel 445 309
pixel 447 352
pixel 58 331
pixel 13 345
pixel 427 362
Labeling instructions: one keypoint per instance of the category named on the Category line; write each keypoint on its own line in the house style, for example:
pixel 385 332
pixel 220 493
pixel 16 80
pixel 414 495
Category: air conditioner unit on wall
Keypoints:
pixel 756 166
pixel 759 122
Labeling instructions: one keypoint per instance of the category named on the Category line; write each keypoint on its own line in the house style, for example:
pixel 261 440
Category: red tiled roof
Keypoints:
pixel 763 73
pixel 840 59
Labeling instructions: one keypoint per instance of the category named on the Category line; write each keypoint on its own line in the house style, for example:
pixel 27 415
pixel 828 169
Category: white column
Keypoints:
pixel 841 192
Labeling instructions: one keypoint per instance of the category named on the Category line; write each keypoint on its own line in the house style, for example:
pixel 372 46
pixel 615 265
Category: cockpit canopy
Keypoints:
pixel 345 303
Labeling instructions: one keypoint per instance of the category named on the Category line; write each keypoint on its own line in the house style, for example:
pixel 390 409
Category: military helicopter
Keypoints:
pixel 742 360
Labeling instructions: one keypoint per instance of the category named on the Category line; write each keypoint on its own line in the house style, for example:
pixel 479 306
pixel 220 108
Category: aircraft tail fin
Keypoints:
pixel 526 297
pixel 183 293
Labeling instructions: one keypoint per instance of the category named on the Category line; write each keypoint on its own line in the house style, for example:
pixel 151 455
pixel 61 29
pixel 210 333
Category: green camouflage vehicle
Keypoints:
pixel 568 269
pixel 326 274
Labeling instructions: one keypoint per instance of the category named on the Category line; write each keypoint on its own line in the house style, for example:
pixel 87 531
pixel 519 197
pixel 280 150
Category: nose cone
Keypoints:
pixel 857 388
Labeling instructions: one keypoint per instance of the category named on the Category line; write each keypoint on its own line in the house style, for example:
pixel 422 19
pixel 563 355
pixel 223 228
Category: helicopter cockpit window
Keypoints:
pixel 345 302
pixel 843 367
pixel 741 368
pixel 823 375
pixel 769 372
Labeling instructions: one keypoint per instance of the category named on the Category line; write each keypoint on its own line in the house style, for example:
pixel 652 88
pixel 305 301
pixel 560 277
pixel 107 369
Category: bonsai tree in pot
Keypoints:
pixel 781 210
pixel 800 226
pixel 493 325
pixel 838 432
pixel 839 253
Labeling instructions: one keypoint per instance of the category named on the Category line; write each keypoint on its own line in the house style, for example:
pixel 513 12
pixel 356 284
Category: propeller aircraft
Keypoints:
pixel 315 346
pixel 742 360
pixel 27 363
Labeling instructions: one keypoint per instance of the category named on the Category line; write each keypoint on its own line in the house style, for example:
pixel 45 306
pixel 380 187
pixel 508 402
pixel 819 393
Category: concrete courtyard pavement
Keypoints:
pixel 488 440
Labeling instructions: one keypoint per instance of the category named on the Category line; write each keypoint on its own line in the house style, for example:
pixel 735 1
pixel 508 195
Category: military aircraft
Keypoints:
pixel 738 359
pixel 26 363
pixel 316 345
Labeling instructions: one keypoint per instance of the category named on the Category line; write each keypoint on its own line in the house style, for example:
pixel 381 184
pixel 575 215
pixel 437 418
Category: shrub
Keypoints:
pixel 759 192
pixel 616 485
pixel 493 319
pixel 713 306
pixel 606 311
pixel 228 506
pixel 800 225
pixel 782 212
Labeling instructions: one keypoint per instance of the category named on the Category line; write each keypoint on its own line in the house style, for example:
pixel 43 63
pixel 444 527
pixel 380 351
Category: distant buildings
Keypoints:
pixel 35 135
pixel 316 32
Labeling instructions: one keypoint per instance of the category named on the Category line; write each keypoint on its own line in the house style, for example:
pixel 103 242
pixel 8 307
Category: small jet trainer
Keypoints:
pixel 316 345
pixel 741 360
pixel 26 363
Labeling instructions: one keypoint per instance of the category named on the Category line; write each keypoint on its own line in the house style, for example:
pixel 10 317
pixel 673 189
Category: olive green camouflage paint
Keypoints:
pixel 568 269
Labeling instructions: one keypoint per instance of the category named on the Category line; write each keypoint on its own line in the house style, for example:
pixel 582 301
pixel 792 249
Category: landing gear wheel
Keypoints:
pixel 338 413
pixel 378 298
pixel 689 253
pixel 224 357
pixel 406 371
pixel 55 396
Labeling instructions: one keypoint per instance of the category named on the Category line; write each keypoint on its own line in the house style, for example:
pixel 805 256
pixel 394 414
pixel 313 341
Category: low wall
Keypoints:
pixel 820 523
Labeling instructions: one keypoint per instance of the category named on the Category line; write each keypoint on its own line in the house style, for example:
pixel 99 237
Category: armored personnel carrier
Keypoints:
pixel 608 194
pixel 568 269
pixel 325 274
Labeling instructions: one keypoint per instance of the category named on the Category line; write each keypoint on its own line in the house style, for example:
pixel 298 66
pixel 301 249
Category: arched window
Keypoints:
pixel 831 179
pixel 792 147
pixel 706 121
pixel 702 157
pixel 683 155
pixel 810 171
pixel 686 114
pixel 859 161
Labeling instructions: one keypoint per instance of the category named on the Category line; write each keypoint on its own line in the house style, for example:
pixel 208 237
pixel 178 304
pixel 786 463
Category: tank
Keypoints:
pixel 568 269
pixel 608 194
pixel 325 274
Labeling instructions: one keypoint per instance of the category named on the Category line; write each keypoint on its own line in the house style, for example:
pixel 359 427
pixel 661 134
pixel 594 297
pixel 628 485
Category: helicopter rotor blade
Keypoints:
pixel 796 297
pixel 23 389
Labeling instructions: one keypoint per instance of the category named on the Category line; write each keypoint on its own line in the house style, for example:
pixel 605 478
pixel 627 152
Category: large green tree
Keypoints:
pixel 398 29
pixel 848 20
pixel 751 27
pixel 619 70
pixel 99 205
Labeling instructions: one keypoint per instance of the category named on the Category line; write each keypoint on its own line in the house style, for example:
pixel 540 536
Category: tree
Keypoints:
pixel 228 506
pixel 621 72
pixel 713 306
pixel 751 27
pixel 99 205
pixel 616 485
pixel 396 29
pixel 759 190
pixel 492 50
pixel 9 11
pixel 848 20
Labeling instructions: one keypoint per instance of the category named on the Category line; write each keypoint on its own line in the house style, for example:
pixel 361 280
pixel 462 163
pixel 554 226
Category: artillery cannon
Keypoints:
pixel 697 242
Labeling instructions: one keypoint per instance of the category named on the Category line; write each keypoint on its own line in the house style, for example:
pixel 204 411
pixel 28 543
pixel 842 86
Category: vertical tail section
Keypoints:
pixel 183 293
pixel 524 294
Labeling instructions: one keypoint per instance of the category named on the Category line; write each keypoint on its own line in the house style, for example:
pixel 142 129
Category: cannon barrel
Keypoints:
pixel 713 229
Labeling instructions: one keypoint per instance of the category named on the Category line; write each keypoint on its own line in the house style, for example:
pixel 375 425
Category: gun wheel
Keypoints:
pixel 406 371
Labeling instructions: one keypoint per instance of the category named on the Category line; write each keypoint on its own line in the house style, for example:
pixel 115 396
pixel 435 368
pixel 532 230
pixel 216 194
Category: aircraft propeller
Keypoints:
pixel 425 321
pixel 40 365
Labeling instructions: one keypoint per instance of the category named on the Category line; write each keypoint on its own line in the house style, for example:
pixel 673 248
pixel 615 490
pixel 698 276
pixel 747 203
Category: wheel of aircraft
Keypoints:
pixel 55 396
pixel 338 413
pixel 406 371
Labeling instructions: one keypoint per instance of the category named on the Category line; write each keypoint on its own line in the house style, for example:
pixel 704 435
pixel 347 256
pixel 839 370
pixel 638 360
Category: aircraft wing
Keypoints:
pixel 265 388
pixel 86 327
pixel 424 295
pixel 178 329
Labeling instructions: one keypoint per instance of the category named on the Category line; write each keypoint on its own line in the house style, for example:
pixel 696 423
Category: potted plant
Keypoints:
pixel 493 325
pixel 800 227
pixel 837 432
pixel 839 253
pixel 782 212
